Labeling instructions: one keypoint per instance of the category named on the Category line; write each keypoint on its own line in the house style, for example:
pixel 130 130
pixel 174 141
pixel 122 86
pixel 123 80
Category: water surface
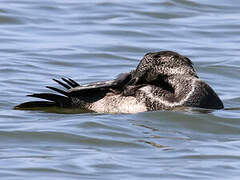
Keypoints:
pixel 95 40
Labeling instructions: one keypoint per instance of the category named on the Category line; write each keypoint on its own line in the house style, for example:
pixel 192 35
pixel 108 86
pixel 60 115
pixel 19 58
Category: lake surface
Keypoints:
pixel 96 40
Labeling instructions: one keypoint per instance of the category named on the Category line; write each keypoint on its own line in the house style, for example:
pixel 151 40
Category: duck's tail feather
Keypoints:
pixel 62 84
pixel 57 90
pixel 52 100
pixel 62 100
pixel 69 83
pixel 35 104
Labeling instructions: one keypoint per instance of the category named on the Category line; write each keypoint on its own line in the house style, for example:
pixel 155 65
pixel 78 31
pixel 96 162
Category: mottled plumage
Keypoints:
pixel 162 80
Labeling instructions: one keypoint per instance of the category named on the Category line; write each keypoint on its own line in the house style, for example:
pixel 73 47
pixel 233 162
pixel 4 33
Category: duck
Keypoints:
pixel 163 80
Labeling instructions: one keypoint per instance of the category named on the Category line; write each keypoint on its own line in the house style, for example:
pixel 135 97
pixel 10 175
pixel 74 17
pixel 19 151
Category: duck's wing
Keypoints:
pixel 115 85
pixel 75 89
pixel 92 88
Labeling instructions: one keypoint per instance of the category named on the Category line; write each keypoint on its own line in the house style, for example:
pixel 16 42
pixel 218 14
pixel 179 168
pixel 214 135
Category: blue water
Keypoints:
pixel 96 40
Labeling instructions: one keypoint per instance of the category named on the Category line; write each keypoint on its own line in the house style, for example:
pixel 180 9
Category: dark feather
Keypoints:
pixel 57 90
pixel 62 84
pixel 69 82
pixel 61 101
pixel 74 82
pixel 50 97
pixel 34 104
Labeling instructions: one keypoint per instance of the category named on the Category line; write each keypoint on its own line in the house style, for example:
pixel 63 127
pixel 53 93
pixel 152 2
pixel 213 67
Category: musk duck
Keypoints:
pixel 162 80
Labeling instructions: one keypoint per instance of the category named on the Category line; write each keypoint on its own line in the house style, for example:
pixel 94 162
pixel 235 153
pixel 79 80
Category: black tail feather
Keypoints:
pixel 62 100
pixel 62 84
pixel 35 104
pixel 71 82
pixel 74 82
pixel 57 90
pixel 50 97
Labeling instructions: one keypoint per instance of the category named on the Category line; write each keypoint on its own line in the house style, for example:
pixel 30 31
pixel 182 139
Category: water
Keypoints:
pixel 95 40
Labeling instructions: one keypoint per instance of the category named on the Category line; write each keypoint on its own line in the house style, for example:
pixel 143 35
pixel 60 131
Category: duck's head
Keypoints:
pixel 163 64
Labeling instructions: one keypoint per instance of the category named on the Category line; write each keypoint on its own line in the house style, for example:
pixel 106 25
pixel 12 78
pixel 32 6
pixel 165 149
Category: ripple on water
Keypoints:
pixel 96 40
